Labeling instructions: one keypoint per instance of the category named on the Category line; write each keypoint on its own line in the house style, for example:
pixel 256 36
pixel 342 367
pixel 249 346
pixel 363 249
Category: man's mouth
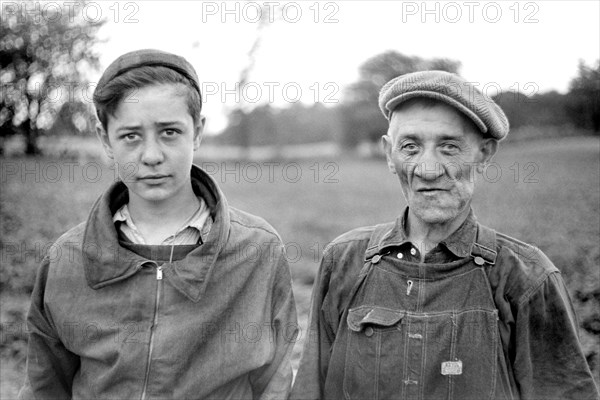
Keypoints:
pixel 431 190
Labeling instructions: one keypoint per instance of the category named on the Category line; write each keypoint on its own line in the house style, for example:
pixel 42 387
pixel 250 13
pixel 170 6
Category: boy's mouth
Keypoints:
pixel 153 178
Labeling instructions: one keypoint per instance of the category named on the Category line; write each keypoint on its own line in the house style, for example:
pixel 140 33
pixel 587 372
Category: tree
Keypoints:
pixel 44 52
pixel 541 109
pixel 361 115
pixel 269 126
pixel 584 97
pixel 239 114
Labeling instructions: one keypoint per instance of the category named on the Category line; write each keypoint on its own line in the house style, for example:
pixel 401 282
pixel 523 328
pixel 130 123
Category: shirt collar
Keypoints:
pixel 197 221
pixel 459 242
pixel 111 262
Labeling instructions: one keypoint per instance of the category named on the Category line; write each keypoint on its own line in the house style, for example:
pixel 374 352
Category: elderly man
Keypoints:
pixel 436 305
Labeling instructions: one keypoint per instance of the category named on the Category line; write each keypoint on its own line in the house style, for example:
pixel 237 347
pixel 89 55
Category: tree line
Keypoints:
pixel 357 118
pixel 43 93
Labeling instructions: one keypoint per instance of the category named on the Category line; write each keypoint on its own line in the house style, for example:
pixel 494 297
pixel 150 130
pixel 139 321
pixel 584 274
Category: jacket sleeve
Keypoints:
pixel 50 366
pixel 549 361
pixel 318 339
pixel 274 380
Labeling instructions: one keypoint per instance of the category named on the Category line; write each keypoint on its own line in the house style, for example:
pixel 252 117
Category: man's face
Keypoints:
pixel 435 153
pixel 152 139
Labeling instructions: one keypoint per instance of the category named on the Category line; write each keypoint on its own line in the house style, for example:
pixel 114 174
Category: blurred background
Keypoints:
pixel 293 133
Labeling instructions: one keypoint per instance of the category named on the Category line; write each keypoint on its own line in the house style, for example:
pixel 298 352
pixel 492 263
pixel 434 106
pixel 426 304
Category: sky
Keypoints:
pixel 309 51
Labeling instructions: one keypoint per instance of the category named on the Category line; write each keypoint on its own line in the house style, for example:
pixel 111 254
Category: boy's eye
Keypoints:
pixel 130 137
pixel 170 132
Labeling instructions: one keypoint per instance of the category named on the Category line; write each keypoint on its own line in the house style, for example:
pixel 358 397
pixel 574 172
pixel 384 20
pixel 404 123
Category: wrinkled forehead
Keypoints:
pixel 411 111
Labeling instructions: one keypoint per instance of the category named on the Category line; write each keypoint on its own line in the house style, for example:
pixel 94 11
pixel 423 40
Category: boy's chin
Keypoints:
pixel 151 195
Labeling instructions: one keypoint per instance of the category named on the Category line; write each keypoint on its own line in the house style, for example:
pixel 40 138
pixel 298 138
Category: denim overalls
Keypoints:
pixel 424 331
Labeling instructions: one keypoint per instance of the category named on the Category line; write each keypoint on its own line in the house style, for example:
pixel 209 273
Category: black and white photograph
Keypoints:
pixel 306 200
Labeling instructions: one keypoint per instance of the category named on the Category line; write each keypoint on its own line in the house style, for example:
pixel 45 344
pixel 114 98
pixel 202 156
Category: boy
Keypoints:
pixel 162 294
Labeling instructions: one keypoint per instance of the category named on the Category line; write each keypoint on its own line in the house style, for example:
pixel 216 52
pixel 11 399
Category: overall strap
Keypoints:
pixel 372 250
pixel 485 245
pixel 378 233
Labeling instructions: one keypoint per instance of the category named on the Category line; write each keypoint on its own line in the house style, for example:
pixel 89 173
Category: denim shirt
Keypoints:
pixel 539 347
pixel 110 319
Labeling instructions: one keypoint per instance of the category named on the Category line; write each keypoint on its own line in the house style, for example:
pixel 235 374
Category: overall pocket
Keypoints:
pixel 373 352
pixel 392 354
pixel 475 344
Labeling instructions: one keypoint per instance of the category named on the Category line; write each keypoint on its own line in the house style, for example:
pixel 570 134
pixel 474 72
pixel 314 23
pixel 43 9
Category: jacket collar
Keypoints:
pixel 459 242
pixel 106 261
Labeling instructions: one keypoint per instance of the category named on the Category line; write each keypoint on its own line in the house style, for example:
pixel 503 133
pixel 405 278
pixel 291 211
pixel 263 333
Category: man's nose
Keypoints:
pixel 152 153
pixel 429 166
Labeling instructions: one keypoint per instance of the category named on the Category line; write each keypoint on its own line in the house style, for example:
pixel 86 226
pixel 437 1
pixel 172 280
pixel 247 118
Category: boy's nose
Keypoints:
pixel 152 153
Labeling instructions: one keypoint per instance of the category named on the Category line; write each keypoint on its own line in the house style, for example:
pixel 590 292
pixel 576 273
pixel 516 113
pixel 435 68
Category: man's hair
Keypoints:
pixel 107 100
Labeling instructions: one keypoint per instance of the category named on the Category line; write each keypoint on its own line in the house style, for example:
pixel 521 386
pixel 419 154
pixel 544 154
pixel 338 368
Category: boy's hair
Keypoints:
pixel 107 99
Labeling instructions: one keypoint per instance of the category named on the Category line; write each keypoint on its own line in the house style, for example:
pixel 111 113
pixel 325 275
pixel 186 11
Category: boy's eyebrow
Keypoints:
pixel 128 128
pixel 161 124
pixel 167 123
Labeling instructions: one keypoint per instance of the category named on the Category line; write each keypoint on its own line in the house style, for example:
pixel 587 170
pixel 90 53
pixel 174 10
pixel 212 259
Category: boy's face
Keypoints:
pixel 152 139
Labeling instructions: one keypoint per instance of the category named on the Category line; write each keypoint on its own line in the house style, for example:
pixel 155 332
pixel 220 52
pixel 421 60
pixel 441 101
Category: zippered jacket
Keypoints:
pixel 110 319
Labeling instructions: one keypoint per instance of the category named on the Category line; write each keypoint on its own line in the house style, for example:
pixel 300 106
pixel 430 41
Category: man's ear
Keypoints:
pixel 103 137
pixel 488 148
pixel 198 131
pixel 386 141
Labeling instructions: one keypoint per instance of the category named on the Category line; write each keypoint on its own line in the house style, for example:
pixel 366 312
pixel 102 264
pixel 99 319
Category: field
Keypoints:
pixel 545 193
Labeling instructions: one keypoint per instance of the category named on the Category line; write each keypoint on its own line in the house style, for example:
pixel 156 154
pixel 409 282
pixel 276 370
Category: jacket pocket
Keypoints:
pixel 371 329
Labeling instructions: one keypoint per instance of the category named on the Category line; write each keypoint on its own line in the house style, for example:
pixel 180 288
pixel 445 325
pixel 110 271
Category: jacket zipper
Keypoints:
pixel 159 276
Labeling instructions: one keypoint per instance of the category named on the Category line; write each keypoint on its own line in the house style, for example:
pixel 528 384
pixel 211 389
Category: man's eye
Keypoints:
pixel 450 147
pixel 409 147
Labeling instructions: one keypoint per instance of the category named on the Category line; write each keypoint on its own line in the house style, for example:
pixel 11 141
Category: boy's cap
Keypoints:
pixel 450 89
pixel 149 57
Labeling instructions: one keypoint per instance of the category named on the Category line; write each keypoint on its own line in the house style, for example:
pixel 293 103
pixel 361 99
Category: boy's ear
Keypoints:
pixel 103 137
pixel 198 131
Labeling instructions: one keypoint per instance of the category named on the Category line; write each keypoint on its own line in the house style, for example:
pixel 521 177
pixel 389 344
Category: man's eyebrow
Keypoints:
pixel 409 135
pixel 459 138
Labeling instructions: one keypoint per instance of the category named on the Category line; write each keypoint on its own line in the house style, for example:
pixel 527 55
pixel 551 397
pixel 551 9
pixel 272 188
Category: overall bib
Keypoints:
pixel 424 331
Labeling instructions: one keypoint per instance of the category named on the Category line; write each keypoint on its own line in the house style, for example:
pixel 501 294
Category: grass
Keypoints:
pixel 548 194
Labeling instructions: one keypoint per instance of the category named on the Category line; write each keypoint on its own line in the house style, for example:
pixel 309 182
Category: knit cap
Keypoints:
pixel 148 57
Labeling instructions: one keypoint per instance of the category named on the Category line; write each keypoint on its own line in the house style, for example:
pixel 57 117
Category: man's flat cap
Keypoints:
pixel 149 57
pixel 450 89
